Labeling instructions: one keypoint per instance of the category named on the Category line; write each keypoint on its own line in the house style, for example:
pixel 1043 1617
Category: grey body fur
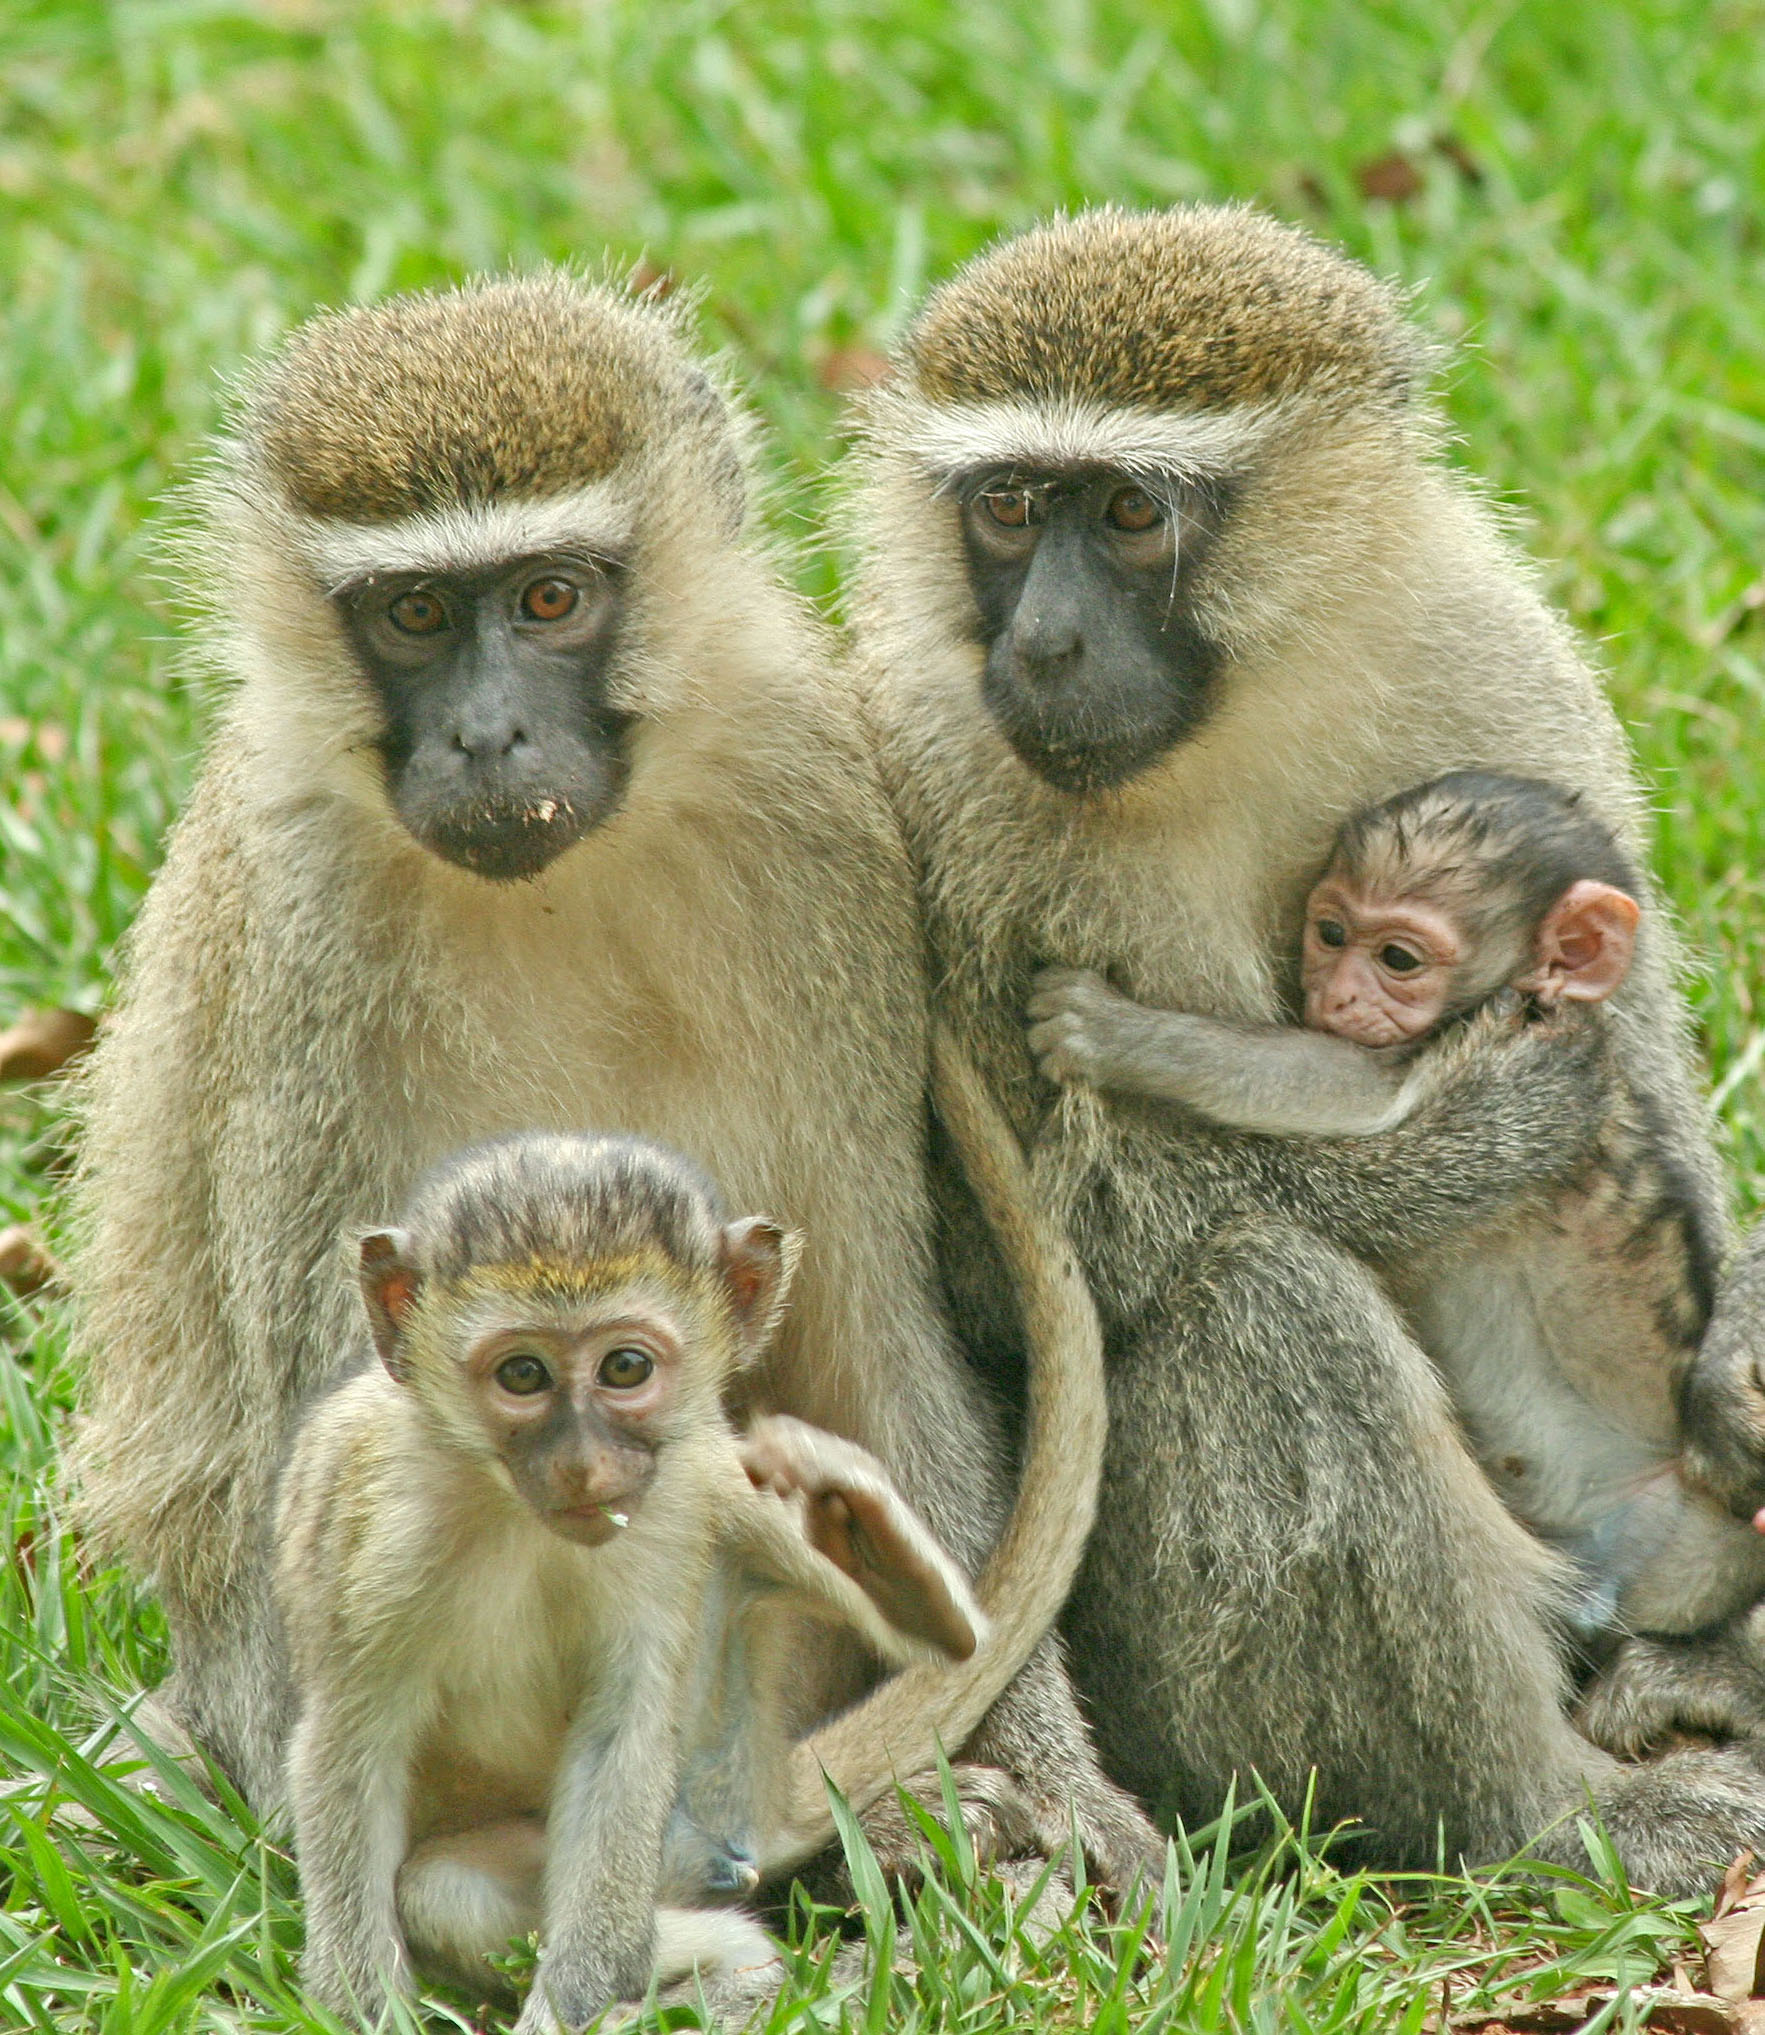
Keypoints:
pixel 1297 1564
pixel 315 1007
pixel 1564 1336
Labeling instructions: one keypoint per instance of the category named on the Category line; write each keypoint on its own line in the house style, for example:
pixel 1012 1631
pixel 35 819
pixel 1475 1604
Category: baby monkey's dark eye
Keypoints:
pixel 1400 960
pixel 418 613
pixel 1134 509
pixel 523 1374
pixel 625 1370
pixel 548 600
pixel 1331 932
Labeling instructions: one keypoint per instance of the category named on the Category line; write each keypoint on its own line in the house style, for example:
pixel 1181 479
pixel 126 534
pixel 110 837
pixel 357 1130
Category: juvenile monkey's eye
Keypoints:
pixel 1331 932
pixel 548 600
pixel 1011 508
pixel 625 1370
pixel 418 613
pixel 1134 509
pixel 523 1374
pixel 1400 960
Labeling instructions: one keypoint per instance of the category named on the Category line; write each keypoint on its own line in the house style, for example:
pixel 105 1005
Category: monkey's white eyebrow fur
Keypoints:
pixel 957 437
pixel 594 519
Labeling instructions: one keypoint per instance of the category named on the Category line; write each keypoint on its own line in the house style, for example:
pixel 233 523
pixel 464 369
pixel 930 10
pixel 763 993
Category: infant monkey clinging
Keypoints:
pixel 1563 1333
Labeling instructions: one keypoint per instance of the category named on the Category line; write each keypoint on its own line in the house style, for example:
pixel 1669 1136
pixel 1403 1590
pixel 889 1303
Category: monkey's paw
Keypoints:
pixel 1074 1020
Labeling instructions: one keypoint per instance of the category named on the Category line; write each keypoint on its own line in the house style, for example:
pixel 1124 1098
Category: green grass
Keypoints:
pixel 181 178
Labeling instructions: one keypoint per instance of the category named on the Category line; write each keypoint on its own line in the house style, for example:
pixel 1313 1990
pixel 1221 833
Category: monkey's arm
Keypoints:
pixel 608 1817
pixel 1276 1079
pixel 824 1518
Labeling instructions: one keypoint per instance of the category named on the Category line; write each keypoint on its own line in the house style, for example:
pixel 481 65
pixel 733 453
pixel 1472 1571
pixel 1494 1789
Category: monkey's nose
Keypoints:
pixel 486 743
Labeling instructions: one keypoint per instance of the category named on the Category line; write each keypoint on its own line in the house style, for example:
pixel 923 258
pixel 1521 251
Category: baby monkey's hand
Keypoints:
pixel 1080 1028
pixel 854 1516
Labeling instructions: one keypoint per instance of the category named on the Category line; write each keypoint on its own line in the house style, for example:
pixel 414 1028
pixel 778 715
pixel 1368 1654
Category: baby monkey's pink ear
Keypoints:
pixel 1585 945
pixel 390 1284
pixel 759 1256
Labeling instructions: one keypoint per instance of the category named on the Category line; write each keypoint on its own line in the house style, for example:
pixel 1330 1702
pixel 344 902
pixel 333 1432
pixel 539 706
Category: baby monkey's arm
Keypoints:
pixel 1276 1079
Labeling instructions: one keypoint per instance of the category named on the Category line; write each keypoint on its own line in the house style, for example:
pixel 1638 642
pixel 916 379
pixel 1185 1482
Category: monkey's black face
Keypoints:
pixel 1082 579
pixel 500 747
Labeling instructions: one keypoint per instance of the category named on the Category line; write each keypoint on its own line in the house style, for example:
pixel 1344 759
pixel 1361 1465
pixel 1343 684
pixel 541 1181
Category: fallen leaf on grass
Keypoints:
pixel 42 1042
pixel 1734 1936
pixel 1666 2013
pixel 1392 177
pixel 25 1263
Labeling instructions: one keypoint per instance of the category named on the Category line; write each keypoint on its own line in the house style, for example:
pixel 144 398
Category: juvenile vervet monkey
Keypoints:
pixel 1162 576
pixel 1564 1335
pixel 531 805
pixel 500 1552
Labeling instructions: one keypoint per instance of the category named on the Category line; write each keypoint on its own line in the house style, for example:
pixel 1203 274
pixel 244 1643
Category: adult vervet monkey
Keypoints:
pixel 531 807
pixel 1162 576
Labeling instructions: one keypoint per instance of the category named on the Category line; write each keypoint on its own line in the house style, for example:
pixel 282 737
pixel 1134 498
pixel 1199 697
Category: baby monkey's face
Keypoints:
pixel 1377 970
pixel 579 1410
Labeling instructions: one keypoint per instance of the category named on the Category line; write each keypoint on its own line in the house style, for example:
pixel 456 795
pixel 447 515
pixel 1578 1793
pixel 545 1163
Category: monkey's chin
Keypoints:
pixel 508 840
pixel 591 1525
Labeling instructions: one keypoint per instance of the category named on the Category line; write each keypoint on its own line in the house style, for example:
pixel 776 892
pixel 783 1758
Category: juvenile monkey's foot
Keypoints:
pixel 1076 1022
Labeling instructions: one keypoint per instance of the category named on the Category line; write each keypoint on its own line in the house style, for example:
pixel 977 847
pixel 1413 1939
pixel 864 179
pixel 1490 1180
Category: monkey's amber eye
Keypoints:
pixel 1134 509
pixel 625 1370
pixel 1331 933
pixel 1400 960
pixel 548 600
pixel 1011 508
pixel 523 1374
pixel 418 613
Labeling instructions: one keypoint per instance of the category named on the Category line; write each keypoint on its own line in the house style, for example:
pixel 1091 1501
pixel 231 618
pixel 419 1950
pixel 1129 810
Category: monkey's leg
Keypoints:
pixel 1299 1566
pixel 348 1774
pixel 460 1898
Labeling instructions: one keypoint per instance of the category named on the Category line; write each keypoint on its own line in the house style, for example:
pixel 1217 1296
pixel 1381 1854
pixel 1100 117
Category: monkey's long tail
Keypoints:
pixel 892 1734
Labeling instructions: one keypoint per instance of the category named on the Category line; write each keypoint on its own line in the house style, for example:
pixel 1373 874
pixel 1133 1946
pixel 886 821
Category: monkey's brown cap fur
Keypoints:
pixel 529 386
pixel 1201 307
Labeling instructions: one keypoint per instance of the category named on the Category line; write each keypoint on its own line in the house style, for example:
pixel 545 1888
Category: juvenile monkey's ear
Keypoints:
pixel 759 1258
pixel 1585 945
pixel 390 1285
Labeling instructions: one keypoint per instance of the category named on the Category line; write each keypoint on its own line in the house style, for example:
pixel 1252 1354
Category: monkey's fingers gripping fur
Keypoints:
pixel 1031 1569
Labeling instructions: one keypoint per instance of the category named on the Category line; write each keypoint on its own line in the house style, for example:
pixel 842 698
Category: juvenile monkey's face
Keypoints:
pixel 1083 580
pixel 500 744
pixel 579 1411
pixel 1377 970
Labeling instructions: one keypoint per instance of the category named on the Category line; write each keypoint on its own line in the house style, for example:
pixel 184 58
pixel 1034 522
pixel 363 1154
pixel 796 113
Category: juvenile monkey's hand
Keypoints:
pixel 855 1518
pixel 1080 1028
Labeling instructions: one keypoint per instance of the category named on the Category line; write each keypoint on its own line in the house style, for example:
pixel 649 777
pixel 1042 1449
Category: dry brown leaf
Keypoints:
pixel 1392 177
pixel 42 1042
pixel 1734 1936
pixel 25 1263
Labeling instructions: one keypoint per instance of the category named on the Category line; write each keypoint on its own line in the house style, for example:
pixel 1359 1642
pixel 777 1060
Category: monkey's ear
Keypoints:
pixel 1585 945
pixel 759 1257
pixel 390 1285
